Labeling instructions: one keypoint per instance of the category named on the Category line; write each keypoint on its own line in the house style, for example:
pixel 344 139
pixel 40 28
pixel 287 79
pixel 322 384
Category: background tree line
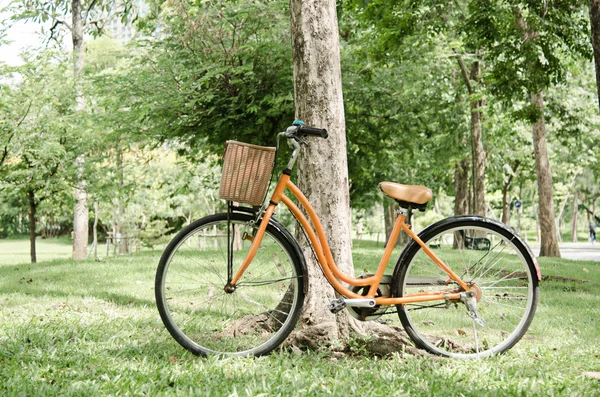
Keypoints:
pixel 484 101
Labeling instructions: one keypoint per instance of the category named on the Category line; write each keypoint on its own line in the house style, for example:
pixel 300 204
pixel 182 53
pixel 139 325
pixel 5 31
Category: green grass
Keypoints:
pixel 91 328
pixel 13 251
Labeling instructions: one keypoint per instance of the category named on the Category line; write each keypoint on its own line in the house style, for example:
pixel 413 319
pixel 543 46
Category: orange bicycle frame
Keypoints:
pixel 322 250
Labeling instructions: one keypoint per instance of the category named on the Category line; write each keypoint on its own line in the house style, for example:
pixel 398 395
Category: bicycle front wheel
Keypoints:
pixel 204 316
pixel 487 255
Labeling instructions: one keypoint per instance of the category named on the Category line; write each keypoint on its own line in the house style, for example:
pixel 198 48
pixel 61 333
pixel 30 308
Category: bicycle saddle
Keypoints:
pixel 407 195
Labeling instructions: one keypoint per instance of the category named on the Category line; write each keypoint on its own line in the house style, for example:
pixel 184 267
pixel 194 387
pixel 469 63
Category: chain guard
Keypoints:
pixel 371 313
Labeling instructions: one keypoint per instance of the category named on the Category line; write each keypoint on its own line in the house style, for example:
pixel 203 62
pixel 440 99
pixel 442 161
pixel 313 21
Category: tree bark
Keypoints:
pixel 595 25
pixel 32 222
pixel 80 213
pixel 461 187
pixel 388 217
pixel 322 166
pixel 549 244
pixel 121 229
pixel 575 212
pixel 505 198
pixel 479 157
pixel 95 230
pixel 477 151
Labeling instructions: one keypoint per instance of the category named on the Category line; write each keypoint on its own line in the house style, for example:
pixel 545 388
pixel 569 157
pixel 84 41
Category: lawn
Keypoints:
pixel 91 328
pixel 13 251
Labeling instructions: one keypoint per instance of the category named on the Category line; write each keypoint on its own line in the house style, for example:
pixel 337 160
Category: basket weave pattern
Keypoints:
pixel 246 172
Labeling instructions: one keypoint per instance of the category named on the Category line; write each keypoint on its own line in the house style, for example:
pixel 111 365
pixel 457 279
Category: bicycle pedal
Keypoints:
pixel 337 305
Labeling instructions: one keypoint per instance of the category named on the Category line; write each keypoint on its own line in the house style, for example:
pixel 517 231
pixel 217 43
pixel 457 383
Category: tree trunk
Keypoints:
pixel 505 204
pixel 95 230
pixel 595 24
pixel 479 159
pixel 461 187
pixel 478 153
pixel 322 166
pixel 121 229
pixel 81 216
pixel 81 213
pixel 575 212
pixel 32 214
pixel 506 200
pixel 388 217
pixel 549 244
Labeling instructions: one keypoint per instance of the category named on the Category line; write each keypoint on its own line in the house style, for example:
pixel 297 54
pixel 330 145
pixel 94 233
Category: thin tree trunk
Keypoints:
pixel 479 159
pixel 32 214
pixel 81 213
pixel 95 230
pixel 505 204
pixel 505 198
pixel 595 25
pixel 123 242
pixel 478 153
pixel 322 167
pixel 549 244
pixel 575 212
pixel 461 187
pixel 388 217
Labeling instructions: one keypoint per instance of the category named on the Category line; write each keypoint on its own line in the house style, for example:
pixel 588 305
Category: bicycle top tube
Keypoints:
pixel 294 135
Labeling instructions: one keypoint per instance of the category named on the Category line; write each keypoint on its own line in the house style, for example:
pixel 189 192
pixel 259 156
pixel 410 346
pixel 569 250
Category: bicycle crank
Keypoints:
pixel 338 305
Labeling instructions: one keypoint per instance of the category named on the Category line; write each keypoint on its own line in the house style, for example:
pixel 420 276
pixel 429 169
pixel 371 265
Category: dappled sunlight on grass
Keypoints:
pixel 91 328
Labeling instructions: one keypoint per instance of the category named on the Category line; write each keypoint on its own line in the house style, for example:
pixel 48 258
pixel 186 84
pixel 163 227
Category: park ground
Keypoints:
pixel 91 328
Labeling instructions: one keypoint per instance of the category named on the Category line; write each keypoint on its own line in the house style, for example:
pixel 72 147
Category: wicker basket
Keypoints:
pixel 246 172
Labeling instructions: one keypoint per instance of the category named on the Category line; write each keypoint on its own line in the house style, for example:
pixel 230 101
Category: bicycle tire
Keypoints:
pixel 480 251
pixel 252 320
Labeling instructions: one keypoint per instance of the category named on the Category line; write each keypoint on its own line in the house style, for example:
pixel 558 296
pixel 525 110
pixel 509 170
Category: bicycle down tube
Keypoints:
pixel 325 258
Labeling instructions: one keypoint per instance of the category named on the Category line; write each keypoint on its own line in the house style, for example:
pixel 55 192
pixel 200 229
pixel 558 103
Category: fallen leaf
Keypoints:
pixel 595 375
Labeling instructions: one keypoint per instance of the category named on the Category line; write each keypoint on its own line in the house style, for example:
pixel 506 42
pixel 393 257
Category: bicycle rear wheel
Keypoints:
pixel 253 319
pixel 486 254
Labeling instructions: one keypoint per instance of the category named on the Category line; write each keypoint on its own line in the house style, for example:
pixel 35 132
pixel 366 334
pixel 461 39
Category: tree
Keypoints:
pixel 217 72
pixel 86 17
pixel 528 45
pixel 322 167
pixel 436 23
pixel 34 153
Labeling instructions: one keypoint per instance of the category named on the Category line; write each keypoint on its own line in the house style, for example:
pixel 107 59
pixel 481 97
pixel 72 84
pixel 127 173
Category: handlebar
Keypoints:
pixel 319 132
pixel 294 133
pixel 298 129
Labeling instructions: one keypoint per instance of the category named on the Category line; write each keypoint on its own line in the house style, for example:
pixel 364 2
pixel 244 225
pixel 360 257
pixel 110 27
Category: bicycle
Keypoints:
pixel 235 282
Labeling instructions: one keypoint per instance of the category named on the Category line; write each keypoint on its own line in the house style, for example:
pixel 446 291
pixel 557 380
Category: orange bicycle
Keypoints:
pixel 235 282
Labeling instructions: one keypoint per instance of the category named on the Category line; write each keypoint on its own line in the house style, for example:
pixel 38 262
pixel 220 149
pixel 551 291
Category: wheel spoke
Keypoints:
pixel 501 278
pixel 203 315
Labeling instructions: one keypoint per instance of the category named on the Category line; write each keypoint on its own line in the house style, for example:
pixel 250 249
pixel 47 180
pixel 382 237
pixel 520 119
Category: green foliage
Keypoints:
pixel 206 72
pixel 217 72
pixel 397 108
pixel 528 44
pixel 37 136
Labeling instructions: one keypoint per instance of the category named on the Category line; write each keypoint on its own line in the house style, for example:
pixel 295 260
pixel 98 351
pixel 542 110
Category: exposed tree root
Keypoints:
pixel 371 337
